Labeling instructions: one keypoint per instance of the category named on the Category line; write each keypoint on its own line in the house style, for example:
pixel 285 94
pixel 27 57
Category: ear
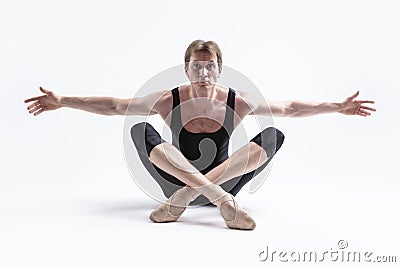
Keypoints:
pixel 186 71
pixel 219 73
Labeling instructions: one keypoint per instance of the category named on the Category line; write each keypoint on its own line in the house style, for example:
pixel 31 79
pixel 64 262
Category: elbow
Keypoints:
pixel 289 111
pixel 118 107
pixel 117 111
pixel 283 109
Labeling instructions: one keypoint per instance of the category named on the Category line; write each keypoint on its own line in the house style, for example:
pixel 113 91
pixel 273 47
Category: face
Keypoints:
pixel 203 70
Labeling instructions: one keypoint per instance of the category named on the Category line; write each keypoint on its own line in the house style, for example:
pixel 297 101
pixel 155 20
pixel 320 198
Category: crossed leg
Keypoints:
pixel 169 160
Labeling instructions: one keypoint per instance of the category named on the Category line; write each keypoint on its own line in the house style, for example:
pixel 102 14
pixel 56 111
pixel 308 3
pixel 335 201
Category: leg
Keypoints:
pixel 165 163
pixel 250 160
pixel 246 162
pixel 170 159
pixel 270 140
pixel 232 174
pixel 145 138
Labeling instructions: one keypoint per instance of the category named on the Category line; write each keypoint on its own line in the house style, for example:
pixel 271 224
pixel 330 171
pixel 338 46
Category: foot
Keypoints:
pixel 172 210
pixel 234 216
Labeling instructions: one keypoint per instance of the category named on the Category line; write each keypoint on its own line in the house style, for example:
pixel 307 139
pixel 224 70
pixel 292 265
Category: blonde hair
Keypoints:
pixel 201 45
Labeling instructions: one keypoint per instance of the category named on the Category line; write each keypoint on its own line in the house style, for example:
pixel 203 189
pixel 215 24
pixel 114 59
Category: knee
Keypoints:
pixel 138 135
pixel 271 139
pixel 138 132
pixel 145 137
pixel 139 129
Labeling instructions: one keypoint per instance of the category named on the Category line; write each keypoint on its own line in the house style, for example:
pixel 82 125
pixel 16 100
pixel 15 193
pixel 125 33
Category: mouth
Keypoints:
pixel 202 82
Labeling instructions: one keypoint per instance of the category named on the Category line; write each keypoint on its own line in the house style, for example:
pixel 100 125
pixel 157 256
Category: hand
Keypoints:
pixel 356 107
pixel 49 101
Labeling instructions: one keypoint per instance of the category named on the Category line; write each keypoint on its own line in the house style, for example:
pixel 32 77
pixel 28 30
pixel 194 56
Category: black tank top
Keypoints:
pixel 204 150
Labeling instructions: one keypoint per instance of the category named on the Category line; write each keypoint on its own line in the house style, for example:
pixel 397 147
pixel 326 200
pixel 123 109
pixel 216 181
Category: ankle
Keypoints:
pixel 191 192
pixel 212 191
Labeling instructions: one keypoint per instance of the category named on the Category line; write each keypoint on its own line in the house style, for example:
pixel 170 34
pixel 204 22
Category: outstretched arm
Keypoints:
pixel 102 105
pixel 350 106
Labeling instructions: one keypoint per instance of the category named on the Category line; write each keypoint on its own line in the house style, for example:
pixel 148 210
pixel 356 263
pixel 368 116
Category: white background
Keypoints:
pixel 67 197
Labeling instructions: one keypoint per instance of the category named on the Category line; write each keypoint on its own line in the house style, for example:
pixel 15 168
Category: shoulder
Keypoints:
pixel 249 103
pixel 164 95
pixel 164 101
pixel 243 101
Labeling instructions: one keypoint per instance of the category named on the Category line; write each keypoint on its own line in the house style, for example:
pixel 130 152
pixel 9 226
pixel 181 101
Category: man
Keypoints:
pixel 201 116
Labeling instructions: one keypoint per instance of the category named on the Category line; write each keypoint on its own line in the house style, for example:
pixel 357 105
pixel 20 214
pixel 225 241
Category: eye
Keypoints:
pixel 210 67
pixel 196 66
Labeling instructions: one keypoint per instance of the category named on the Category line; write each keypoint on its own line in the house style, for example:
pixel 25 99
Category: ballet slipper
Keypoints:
pixel 163 214
pixel 241 220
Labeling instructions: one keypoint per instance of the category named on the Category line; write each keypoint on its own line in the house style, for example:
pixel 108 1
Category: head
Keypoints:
pixel 203 63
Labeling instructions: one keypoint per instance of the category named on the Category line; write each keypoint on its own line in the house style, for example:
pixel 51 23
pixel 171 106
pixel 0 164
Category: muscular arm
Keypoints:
pixel 146 105
pixel 94 104
pixel 103 105
pixel 302 108
pixel 250 105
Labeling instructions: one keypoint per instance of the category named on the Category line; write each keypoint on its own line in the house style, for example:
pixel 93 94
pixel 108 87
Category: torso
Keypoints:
pixel 195 120
pixel 199 115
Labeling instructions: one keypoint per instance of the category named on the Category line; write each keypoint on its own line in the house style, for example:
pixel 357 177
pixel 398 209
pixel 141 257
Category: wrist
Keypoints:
pixel 339 107
pixel 63 101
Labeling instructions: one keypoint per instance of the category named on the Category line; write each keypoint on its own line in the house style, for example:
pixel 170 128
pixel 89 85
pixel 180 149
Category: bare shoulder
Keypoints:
pixel 150 104
pixel 164 101
pixel 244 102
pixel 163 96
pixel 252 104
pixel 244 95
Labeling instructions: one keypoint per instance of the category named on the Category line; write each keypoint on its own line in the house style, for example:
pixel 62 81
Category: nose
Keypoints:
pixel 204 72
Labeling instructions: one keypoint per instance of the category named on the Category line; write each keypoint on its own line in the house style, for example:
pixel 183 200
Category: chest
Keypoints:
pixel 199 120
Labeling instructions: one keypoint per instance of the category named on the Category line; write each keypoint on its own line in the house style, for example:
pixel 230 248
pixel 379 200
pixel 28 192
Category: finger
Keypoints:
pixel 35 109
pixel 365 107
pixel 38 112
pixel 366 101
pixel 33 98
pixel 355 95
pixel 33 105
pixel 364 112
pixel 44 90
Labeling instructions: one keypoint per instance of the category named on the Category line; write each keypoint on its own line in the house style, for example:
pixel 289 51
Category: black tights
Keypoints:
pixel 145 138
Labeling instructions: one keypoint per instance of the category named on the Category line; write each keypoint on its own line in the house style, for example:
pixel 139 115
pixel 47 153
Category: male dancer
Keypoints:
pixel 201 116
